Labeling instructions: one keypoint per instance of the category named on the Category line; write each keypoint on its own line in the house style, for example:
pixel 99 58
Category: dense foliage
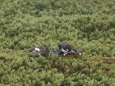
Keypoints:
pixel 86 24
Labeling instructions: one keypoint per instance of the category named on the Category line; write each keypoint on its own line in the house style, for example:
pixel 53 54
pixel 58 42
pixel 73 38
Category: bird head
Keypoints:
pixel 79 51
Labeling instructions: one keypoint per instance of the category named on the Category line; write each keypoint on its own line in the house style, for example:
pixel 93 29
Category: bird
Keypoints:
pixel 65 48
pixel 42 50
pixel 75 54
pixel 56 51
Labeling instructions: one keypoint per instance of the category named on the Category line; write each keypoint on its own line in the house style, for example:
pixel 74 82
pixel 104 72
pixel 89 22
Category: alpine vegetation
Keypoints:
pixel 81 35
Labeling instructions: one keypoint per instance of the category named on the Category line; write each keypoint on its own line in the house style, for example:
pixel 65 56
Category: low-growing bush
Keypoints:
pixel 89 25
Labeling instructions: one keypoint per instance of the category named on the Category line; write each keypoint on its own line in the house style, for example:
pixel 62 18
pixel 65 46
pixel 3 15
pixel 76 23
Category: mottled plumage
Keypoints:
pixel 40 51
pixel 65 48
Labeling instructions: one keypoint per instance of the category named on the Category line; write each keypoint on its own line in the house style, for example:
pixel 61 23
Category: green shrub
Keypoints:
pixel 88 24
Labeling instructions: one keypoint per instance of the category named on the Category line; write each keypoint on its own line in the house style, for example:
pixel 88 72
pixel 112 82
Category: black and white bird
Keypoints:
pixel 65 48
pixel 42 50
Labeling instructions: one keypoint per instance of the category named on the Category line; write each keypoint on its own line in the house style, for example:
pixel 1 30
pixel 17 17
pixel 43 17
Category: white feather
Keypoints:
pixel 37 49
pixel 80 54
pixel 72 51
pixel 64 50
